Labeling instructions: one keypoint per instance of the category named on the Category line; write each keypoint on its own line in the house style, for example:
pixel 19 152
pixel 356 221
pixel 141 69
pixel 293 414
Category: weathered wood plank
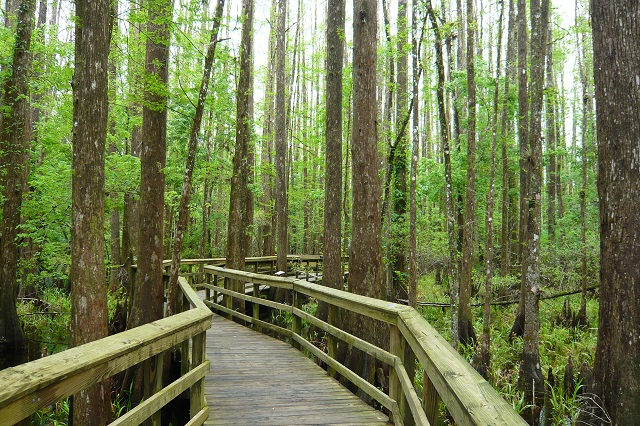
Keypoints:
pixel 257 380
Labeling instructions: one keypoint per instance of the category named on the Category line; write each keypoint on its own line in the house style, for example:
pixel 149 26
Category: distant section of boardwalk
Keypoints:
pixel 258 380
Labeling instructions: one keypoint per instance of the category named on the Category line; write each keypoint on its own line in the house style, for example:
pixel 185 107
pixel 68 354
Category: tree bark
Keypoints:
pixel 332 260
pixel 365 260
pixel 616 32
pixel 531 377
pixel 238 202
pixel 466 333
pixel 485 352
pixel 148 293
pixel 89 314
pixel 523 137
pixel 15 139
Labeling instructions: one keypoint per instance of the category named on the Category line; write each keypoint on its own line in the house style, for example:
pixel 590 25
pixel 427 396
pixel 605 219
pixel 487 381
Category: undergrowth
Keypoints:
pixel 557 344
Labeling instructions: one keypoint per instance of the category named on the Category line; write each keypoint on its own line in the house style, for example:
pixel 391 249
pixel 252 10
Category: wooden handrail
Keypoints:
pixel 28 387
pixel 447 376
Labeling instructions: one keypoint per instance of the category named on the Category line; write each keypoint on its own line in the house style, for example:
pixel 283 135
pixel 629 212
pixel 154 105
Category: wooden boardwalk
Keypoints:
pixel 258 380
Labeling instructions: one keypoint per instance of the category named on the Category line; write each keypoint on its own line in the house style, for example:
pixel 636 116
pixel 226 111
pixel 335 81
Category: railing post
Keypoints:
pixel 332 341
pixel 430 400
pixel 207 279
pixel 256 306
pixel 196 401
pixel 153 383
pixel 228 299
pixel 215 292
pixel 296 323
pixel 398 347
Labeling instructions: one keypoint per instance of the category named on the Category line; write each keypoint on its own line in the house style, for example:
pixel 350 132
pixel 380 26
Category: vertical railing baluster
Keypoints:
pixel 332 341
pixel 430 400
pixel 198 347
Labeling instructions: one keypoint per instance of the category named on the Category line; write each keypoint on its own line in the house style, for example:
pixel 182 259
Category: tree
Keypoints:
pixel 398 168
pixel 332 261
pixel 185 197
pixel 281 141
pixel 415 130
pixel 267 229
pixel 365 260
pixel 466 333
pixel 523 136
pixel 89 314
pixel 531 378
pixel 15 138
pixel 485 353
pixel 238 202
pixel 446 151
pixel 148 291
pixel 616 29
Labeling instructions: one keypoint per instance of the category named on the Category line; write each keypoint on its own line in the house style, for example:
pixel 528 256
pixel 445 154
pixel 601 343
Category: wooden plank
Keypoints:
pixel 153 404
pixel 257 380
pixel 470 399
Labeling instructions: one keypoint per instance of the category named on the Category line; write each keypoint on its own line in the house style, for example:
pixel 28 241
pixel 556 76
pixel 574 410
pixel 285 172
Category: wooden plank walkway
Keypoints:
pixel 258 380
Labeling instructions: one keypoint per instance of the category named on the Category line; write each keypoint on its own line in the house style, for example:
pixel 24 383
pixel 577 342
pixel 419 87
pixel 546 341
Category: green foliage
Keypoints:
pixel 47 320
pixel 557 343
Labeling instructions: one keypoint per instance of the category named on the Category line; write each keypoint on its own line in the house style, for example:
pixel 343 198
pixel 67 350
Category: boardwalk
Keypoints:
pixel 257 380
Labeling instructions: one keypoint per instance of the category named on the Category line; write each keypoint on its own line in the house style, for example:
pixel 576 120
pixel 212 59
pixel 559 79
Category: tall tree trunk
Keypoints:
pixel 466 333
pixel 586 109
pixel 617 88
pixel 365 260
pixel 89 314
pixel 238 202
pixel 550 104
pixel 415 153
pixel 399 167
pixel 485 352
pixel 148 293
pixel 15 138
pixel 507 176
pixel 332 261
pixel 268 228
pixel 531 378
pixel 523 137
pixel 449 200
pixel 185 197
pixel 281 141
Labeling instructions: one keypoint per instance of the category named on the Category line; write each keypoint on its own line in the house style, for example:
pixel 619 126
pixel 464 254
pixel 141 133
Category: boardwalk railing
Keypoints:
pixel 413 341
pixel 28 387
